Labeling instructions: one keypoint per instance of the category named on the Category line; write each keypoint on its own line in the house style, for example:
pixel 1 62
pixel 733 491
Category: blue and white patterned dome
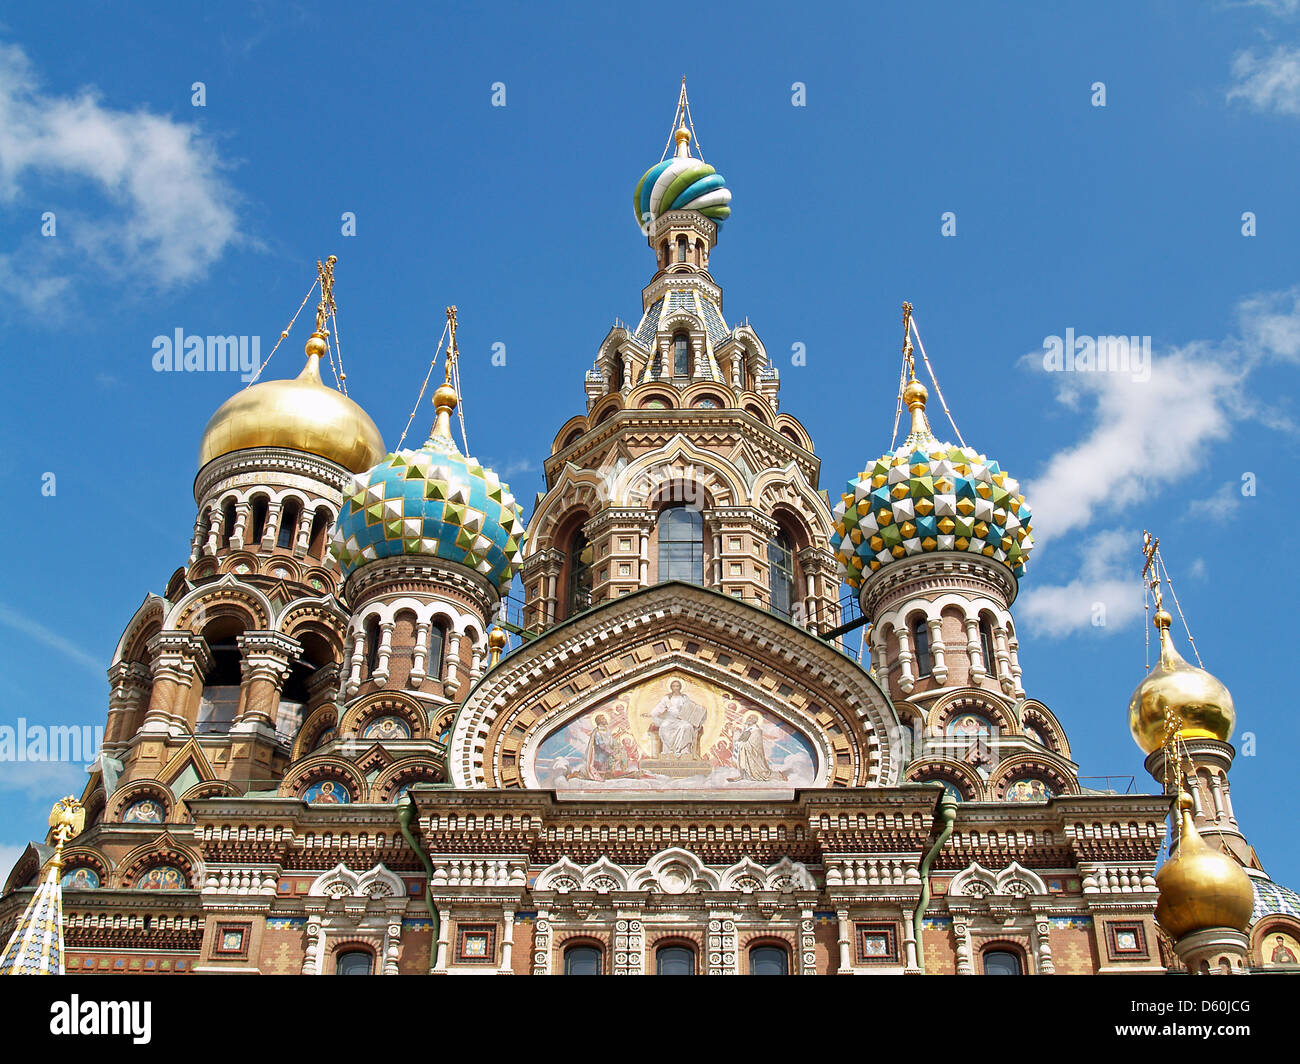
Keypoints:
pixel 682 183
pixel 433 502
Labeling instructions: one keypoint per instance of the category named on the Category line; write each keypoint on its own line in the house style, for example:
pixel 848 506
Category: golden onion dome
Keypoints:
pixel 1200 887
pixel 303 414
pixel 1188 694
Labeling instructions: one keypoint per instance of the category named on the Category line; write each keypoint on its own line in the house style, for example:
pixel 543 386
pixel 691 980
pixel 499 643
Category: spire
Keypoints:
pixel 915 393
pixel 36 946
pixel 445 399
pixel 318 343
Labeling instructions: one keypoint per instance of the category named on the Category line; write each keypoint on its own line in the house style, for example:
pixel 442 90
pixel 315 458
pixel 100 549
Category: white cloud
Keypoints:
pixel 1146 434
pixel 1268 83
pixel 41 780
pixel 1105 596
pixel 1220 507
pixel 150 202
pixel 37 631
pixel 1270 325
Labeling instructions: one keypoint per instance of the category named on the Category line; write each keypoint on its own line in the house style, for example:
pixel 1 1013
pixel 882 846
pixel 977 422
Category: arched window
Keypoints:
pixel 780 561
pixel 681 355
pixel 769 960
pixel 259 520
pixel 674 960
pixel 582 960
pixel 354 962
pixel 580 559
pixel 220 698
pixel 320 526
pixel 437 643
pixel 288 523
pixel 227 523
pixel 681 249
pixel 921 646
pixel 372 644
pixel 986 645
pixel 663 253
pixel 618 373
pixel 681 544
pixel 1002 962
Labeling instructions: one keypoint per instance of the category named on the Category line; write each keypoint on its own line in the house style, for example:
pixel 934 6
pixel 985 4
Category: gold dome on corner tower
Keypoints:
pixel 1192 695
pixel 1201 888
pixel 303 414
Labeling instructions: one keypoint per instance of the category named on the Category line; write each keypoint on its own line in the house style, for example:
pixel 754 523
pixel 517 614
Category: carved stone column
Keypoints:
pixel 266 658
pixel 180 660
pixel 130 688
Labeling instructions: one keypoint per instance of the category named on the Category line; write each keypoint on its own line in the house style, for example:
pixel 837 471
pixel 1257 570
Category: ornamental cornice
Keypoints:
pixel 261 460
pixel 414 574
pixel 937 571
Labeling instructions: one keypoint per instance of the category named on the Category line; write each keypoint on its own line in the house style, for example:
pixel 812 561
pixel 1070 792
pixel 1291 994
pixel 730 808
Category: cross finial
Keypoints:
pixel 1151 552
pixel 325 272
pixel 453 352
pixel 907 342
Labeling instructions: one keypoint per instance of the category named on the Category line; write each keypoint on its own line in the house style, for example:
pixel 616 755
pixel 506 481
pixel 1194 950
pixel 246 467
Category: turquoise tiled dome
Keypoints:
pixel 433 502
pixel 929 496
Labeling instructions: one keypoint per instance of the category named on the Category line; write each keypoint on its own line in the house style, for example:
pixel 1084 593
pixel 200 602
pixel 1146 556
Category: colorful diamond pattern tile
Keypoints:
pixel 928 496
pixel 434 502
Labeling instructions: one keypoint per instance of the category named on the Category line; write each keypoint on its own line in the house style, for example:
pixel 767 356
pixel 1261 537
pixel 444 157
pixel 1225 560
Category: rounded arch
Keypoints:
pixel 792 429
pixel 83 856
pixel 320 769
pixel 720 393
pixel 1054 775
pixel 163 851
pixel 145 623
pixel 949 707
pixel 1036 717
pixel 226 597
pixel 961 776
pixel 578 425
pixel 372 707
pixel 756 407
pixel 391 783
pixel 137 791
pixel 316 730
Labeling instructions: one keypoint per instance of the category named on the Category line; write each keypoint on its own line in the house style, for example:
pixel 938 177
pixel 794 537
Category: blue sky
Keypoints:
pixel 1124 219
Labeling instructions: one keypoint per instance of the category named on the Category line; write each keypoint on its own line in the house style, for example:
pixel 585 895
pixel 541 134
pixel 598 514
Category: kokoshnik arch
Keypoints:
pixel 323 754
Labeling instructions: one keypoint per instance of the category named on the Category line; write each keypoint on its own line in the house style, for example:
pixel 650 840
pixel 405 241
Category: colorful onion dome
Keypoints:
pixel 1200 887
pixel 929 496
pixel 303 414
pixel 682 183
pixel 1177 690
pixel 433 502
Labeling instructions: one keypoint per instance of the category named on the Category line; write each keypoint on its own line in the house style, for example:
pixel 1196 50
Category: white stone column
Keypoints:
pixel 938 663
pixel 508 943
pixel 302 538
pixel 444 938
pixel 421 653
pixel 271 529
pixel 961 932
pixel 974 652
pixel 1003 656
pixel 353 683
pixel 911 948
pixel 451 673
pixel 845 941
pixel 1043 946
pixel 380 675
pixel 242 513
pixel 906 681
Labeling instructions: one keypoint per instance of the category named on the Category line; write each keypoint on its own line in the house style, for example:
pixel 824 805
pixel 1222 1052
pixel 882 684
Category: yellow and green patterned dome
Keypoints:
pixel 434 502
pixel 928 496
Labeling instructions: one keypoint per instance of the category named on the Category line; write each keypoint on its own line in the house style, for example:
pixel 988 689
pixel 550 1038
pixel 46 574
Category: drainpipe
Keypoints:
pixel 405 820
pixel 945 819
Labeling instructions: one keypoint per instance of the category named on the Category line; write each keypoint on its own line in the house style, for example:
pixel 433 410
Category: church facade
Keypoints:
pixel 328 751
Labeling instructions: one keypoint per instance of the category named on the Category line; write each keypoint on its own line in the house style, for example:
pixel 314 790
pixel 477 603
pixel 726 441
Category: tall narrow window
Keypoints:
pixel 582 960
pixel 681 249
pixel 372 644
pixel 259 520
pixel 227 523
pixel 681 356
pixel 320 526
pixel 986 645
pixel 437 641
pixel 681 544
pixel 769 960
pixel 780 561
pixel 674 960
pixel 921 646
pixel 288 523
pixel 354 962
pixel 580 558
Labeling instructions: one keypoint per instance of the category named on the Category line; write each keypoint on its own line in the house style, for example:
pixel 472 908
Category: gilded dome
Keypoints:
pixel 1192 695
pixel 303 414
pixel 929 496
pixel 1201 888
pixel 433 501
